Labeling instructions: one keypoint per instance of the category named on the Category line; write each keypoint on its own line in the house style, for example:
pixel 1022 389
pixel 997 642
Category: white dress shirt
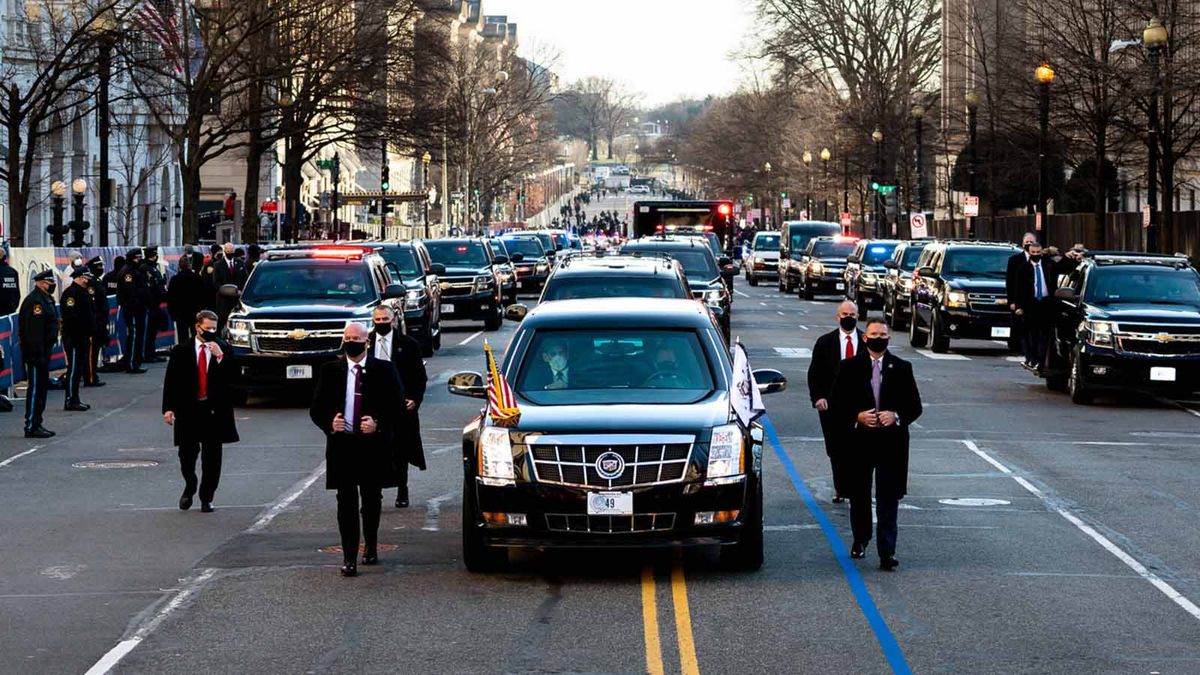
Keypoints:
pixel 348 405
pixel 842 335
pixel 383 347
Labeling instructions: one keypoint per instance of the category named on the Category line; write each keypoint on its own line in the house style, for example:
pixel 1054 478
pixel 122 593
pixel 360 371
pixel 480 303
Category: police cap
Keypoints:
pixel 133 253
pixel 44 275
pixel 81 271
pixel 151 251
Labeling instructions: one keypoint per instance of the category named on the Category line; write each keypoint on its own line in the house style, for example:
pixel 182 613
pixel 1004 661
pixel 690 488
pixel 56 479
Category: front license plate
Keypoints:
pixel 839 287
pixel 447 309
pixel 1001 332
pixel 520 284
pixel 1162 374
pixel 299 372
pixel 610 504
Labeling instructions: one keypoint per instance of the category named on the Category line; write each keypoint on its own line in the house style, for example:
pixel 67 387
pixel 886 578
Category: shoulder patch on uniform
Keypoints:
pixel 208 270
pixel 91 291
pixel 128 277
pixel 37 309
pixel 70 302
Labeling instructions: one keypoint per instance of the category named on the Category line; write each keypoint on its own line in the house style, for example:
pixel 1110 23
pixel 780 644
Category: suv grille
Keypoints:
pixel 288 346
pixel 457 286
pixel 988 302
pixel 646 464
pixel 1180 341
pixel 638 522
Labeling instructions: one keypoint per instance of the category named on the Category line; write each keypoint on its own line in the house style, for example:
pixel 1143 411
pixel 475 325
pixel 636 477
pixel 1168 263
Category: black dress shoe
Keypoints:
pixel 858 550
pixel 97 383
pixel 152 359
pixel 206 507
pixel 402 502
pixel 370 558
pixel 40 432
pixel 185 502
pixel 888 562
pixel 838 499
pixel 77 407
pixel 350 570
pixel 136 371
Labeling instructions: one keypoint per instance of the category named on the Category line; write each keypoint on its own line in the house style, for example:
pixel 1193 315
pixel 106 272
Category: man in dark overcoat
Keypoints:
pixel 355 404
pixel 198 403
pixel 389 342
pixel 875 399
pixel 828 354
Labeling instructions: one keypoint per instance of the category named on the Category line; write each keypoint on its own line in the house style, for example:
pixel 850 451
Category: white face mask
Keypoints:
pixel 558 362
pixel 77 262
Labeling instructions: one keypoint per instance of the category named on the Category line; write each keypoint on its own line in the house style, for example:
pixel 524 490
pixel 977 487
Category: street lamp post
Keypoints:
pixel 766 224
pixel 58 190
pixel 1045 76
pixel 178 216
pixel 1154 37
pixel 972 100
pixel 808 200
pixel 825 156
pixel 162 220
pixel 335 176
pixel 425 160
pixel 105 25
pixel 78 224
pixel 918 115
pixel 877 198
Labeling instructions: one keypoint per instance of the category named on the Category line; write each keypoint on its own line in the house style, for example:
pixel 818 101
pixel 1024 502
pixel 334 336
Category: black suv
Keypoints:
pixel 865 271
pixel 897 283
pixel 508 273
pixel 794 241
pixel 534 263
pixel 290 316
pixel 958 292
pixel 624 276
pixel 410 261
pixel 627 437
pixel 1126 321
pixel 823 265
pixel 699 266
pixel 471 286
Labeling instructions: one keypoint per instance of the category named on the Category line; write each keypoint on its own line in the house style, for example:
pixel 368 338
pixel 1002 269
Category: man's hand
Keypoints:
pixel 367 425
pixel 169 418
pixel 887 418
pixel 215 350
pixel 821 404
pixel 868 418
pixel 410 405
pixel 340 425
pixel 1020 312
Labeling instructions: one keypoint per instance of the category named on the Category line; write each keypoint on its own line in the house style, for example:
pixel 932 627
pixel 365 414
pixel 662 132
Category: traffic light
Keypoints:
pixel 783 195
pixel 384 183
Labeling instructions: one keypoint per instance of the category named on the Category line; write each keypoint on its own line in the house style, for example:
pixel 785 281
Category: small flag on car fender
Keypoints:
pixel 747 401
pixel 502 404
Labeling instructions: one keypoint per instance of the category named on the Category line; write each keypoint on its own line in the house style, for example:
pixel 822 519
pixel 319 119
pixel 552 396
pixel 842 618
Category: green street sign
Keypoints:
pixel 887 189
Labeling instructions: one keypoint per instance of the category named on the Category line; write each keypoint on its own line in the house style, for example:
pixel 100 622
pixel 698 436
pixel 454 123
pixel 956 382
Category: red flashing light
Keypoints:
pixel 338 253
pixel 724 209
pixel 708 228
pixel 460 249
pixel 659 228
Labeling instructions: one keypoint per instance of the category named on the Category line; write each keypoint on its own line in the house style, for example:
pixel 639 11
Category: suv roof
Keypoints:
pixel 622 312
pixel 1109 258
pixel 323 252
pixel 627 265
pixel 669 242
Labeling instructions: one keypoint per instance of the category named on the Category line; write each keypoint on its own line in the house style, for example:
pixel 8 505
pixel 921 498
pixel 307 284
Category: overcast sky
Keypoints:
pixel 662 49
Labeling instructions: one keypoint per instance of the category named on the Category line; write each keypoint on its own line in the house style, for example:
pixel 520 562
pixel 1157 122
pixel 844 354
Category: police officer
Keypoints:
pixel 98 293
pixel 10 286
pixel 78 326
pixel 156 319
pixel 133 296
pixel 38 324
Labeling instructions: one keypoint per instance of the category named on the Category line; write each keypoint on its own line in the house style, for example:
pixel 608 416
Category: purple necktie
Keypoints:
pixel 358 398
pixel 876 379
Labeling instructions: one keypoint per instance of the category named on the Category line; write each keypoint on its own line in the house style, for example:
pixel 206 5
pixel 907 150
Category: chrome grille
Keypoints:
pixel 286 346
pixel 296 336
pixel 1160 343
pixel 638 522
pixel 560 461
pixel 988 302
pixel 457 286
pixel 286 325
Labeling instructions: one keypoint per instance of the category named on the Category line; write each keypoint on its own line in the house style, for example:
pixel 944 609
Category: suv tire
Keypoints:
pixel 939 342
pixel 806 293
pixel 916 338
pixel 495 320
pixel 751 279
pixel 1075 383
pixel 477 556
pixel 747 554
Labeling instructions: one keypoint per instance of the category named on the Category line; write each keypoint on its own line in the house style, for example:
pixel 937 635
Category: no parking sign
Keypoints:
pixel 916 224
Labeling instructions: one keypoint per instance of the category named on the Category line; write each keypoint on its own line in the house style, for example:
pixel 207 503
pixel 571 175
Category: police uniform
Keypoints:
pixel 38 327
pixel 10 286
pixel 133 295
pixel 156 320
pixel 78 326
pixel 98 293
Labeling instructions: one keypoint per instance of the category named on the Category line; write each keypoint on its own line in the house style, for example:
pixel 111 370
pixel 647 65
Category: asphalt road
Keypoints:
pixel 1039 537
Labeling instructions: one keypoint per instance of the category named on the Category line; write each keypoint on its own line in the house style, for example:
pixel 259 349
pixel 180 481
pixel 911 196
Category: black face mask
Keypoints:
pixel 354 349
pixel 383 328
pixel 877 344
pixel 50 288
pixel 848 323
pixel 1037 257
pixel 208 335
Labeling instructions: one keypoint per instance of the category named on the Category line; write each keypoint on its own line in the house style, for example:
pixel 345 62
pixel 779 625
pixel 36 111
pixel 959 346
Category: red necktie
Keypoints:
pixel 849 348
pixel 202 377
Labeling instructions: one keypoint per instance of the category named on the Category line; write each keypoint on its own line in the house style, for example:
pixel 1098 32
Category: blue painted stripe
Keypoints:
pixel 883 634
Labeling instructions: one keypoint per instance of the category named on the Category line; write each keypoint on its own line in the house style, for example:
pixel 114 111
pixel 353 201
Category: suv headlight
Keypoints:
pixel 239 332
pixel 543 268
pixel 956 299
pixel 495 457
pixel 725 456
pixel 414 298
pixel 1100 333
pixel 906 283
pixel 818 269
pixel 483 283
pixel 714 296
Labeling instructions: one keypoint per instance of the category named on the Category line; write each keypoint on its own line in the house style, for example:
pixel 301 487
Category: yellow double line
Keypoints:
pixel 683 622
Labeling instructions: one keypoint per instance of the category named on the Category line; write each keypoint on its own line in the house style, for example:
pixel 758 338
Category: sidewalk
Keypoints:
pixel 542 218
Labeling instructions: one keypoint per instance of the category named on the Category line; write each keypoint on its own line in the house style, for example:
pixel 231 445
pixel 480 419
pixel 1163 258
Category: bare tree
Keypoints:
pixel 137 161
pixel 616 112
pixel 589 104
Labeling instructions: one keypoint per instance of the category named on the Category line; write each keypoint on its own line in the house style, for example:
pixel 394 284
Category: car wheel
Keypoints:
pixel 1075 382
pixel 752 280
pixel 477 556
pixel 805 291
pixel 939 342
pixel 916 337
pixel 437 339
pixel 494 321
pixel 747 554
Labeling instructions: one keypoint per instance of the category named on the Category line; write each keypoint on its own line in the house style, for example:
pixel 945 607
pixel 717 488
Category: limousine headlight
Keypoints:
pixel 495 457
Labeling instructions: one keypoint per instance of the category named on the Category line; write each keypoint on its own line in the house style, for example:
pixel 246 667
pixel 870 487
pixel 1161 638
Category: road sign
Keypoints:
pixel 847 220
pixel 971 206
pixel 887 189
pixel 1146 215
pixel 787 203
pixel 916 224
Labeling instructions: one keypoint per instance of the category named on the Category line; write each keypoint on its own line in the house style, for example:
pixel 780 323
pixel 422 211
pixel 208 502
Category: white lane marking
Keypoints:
pixel 114 655
pixel 286 501
pixel 762 303
pixel 445 448
pixel 1014 359
pixel 942 357
pixel 1000 342
pixel 1177 404
pixel 126 507
pixel 472 337
pixel 62 572
pixel 794 352
pixel 780 313
pixel 1117 552
pixel 744 295
pixel 433 509
pixel 803 327
pixel 14 458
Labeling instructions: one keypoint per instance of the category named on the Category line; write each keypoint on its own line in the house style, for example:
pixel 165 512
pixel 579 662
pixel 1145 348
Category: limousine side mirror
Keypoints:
pixel 467 383
pixel 437 269
pixel 229 291
pixel 770 381
pixel 1066 293
pixel 394 291
pixel 516 312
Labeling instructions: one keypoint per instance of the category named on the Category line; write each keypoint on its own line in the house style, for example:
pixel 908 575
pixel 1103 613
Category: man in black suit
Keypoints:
pixel 185 297
pixel 227 270
pixel 1035 284
pixel 874 400
pixel 1016 337
pixel 389 342
pixel 355 404
pixel 828 354
pixel 198 403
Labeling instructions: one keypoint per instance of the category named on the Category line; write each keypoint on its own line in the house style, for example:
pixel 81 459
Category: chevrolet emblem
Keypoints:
pixel 444 285
pixel 298 334
pixel 1164 337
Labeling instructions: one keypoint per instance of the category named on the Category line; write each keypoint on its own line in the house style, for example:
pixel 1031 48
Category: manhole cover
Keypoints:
pixel 337 548
pixel 974 501
pixel 115 464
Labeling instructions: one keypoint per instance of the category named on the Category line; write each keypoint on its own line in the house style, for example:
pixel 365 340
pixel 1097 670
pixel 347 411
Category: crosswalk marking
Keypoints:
pixel 942 357
pixel 794 352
